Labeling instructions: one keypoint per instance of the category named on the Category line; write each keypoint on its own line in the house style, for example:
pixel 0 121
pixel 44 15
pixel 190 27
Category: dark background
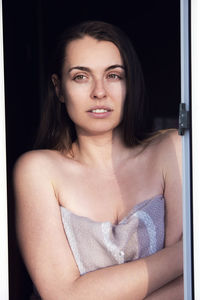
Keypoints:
pixel 30 29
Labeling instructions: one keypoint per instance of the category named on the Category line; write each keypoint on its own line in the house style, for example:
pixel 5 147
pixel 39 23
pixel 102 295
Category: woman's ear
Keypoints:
pixel 57 86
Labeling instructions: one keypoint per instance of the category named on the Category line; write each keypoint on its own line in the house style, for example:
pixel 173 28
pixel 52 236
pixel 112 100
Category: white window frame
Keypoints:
pixel 195 102
pixel 190 95
pixel 186 143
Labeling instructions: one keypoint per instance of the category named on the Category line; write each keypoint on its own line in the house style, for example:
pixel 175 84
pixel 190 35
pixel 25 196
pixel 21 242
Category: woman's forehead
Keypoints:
pixel 91 52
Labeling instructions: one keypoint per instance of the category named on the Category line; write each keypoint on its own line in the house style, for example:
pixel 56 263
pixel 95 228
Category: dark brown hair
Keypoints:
pixel 57 131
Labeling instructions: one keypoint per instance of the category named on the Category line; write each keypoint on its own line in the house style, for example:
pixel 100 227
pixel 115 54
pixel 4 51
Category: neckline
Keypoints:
pixel 134 209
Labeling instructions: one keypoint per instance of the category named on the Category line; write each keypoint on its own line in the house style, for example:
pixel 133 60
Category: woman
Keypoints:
pixel 91 204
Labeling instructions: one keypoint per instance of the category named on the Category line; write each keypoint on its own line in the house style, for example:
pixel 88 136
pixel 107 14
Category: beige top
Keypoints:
pixel 100 244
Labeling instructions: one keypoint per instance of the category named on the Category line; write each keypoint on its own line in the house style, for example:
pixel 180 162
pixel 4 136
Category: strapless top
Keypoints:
pixel 97 245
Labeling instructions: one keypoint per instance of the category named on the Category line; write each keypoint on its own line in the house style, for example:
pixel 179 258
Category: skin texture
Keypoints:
pixel 103 182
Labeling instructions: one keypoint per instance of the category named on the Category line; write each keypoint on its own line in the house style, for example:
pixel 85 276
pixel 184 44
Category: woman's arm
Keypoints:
pixel 48 256
pixel 171 161
pixel 133 280
pixel 173 291
pixel 170 151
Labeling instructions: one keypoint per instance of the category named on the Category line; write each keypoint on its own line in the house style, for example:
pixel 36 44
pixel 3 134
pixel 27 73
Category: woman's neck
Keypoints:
pixel 103 151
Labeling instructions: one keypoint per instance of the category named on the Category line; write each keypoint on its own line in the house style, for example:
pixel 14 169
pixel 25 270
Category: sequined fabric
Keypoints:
pixel 100 244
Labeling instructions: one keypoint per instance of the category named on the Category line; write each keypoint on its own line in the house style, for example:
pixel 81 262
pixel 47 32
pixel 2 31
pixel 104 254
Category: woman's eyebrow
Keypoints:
pixel 81 68
pixel 115 66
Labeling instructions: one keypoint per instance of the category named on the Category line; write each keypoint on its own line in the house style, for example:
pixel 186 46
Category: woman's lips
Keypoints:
pixel 99 112
pixel 99 115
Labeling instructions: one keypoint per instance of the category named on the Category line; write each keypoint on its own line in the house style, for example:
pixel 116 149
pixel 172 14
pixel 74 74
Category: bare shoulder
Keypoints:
pixel 35 174
pixel 34 160
pixel 165 138
pixel 41 172
pixel 40 162
pixel 171 137
pixel 167 144
pixel 31 174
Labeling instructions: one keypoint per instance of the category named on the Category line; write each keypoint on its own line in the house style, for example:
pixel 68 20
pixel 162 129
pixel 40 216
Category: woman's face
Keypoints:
pixel 93 85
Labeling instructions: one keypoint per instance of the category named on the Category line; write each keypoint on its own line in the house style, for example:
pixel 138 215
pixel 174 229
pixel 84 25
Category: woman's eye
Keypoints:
pixel 114 76
pixel 79 77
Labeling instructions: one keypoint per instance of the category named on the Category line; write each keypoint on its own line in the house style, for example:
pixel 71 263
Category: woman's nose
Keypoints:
pixel 98 91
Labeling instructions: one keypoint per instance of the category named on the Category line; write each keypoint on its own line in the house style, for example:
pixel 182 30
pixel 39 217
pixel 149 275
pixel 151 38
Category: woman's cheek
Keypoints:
pixel 78 93
pixel 74 108
pixel 117 90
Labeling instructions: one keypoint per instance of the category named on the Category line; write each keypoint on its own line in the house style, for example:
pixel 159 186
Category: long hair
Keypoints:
pixel 57 131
